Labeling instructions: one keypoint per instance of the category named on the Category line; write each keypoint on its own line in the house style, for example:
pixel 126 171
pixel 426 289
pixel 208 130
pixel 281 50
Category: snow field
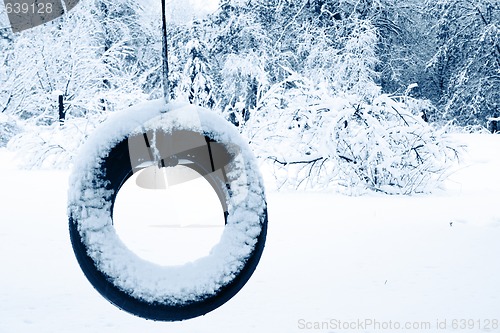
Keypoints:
pixel 327 257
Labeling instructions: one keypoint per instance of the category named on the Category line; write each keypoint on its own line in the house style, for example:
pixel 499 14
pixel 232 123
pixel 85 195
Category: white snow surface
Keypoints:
pixel 92 209
pixel 415 259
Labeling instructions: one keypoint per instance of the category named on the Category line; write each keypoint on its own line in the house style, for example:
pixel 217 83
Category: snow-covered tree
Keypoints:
pixel 303 80
pixel 354 71
pixel 197 82
pixel 467 61
pixel 240 54
pixel 314 139
pixel 69 57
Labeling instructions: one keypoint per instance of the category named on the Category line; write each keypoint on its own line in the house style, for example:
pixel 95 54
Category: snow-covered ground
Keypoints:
pixel 329 261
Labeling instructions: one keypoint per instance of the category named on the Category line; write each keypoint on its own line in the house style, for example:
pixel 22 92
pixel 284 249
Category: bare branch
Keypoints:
pixel 295 162
pixel 7 104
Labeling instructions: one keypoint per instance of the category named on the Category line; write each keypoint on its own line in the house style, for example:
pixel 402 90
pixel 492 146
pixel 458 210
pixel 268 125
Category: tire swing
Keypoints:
pixel 170 134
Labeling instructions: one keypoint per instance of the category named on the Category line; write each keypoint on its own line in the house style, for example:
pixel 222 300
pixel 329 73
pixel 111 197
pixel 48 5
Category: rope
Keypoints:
pixel 166 83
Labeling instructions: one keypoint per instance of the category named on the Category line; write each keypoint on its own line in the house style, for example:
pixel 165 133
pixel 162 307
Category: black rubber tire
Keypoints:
pixel 115 169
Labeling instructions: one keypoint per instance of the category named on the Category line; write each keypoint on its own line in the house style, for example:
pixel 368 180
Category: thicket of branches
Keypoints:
pixel 329 92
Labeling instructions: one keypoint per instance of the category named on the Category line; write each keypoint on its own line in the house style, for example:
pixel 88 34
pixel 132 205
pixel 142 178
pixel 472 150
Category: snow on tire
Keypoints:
pixel 165 135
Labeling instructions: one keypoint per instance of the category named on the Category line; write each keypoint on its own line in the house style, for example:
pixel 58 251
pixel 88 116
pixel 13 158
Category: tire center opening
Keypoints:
pixel 169 225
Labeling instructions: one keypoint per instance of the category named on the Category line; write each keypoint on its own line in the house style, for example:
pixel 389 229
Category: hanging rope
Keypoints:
pixel 166 83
